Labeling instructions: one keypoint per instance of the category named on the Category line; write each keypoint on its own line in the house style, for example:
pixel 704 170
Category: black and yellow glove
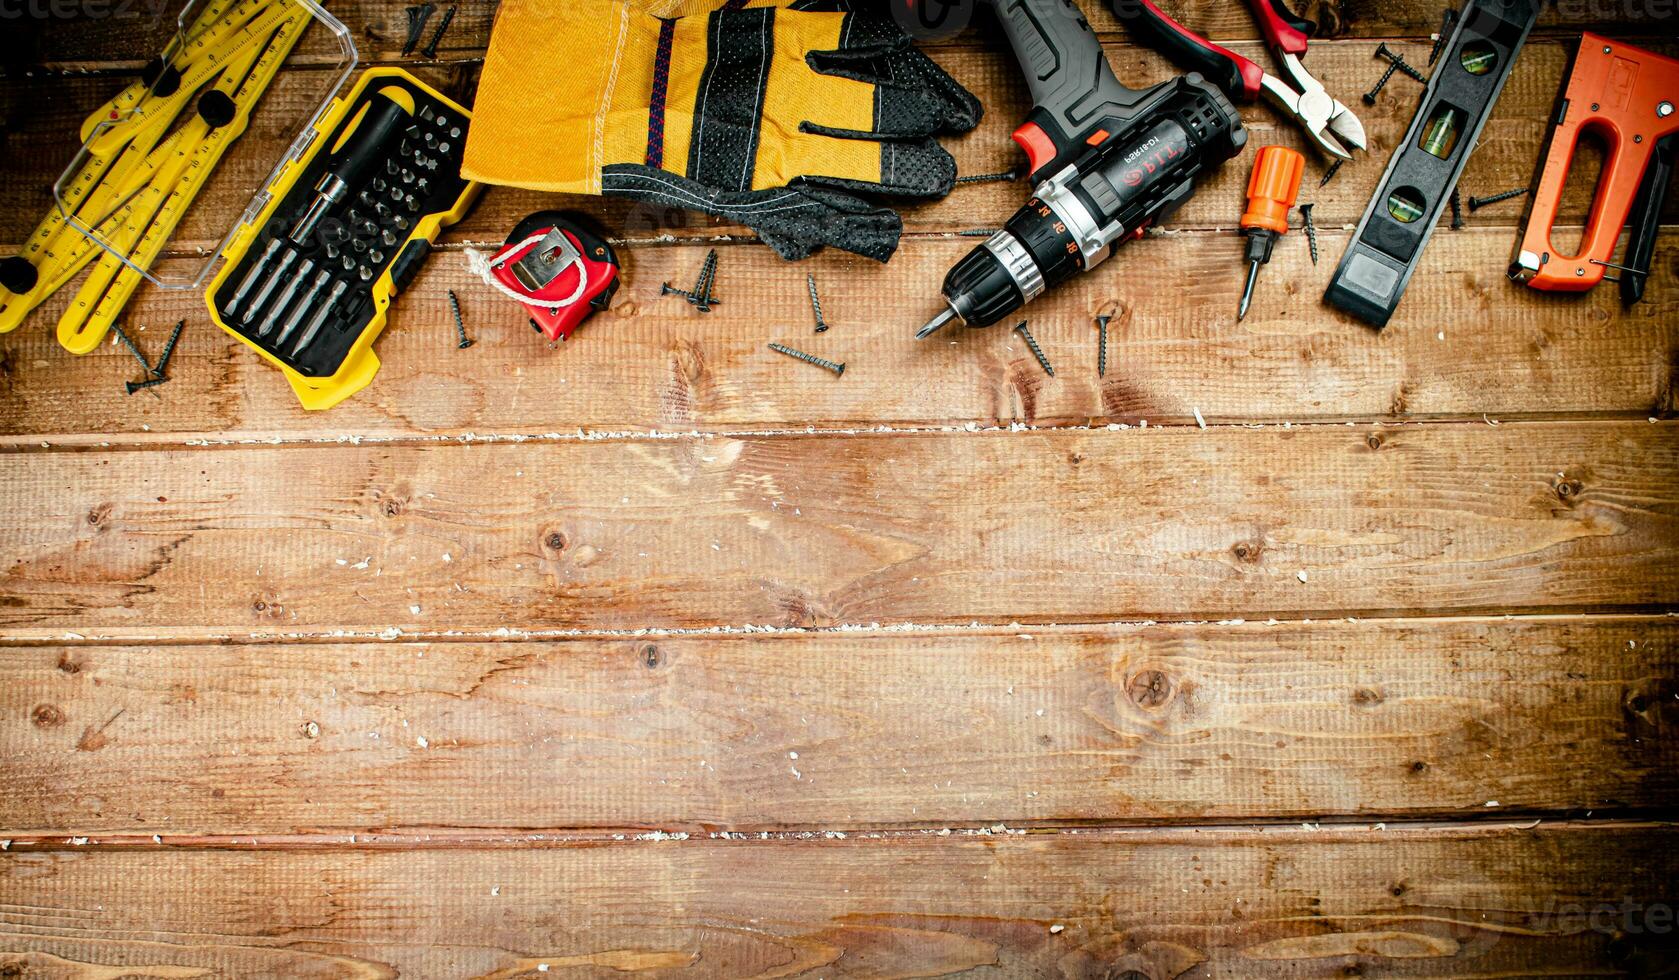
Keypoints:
pixel 775 115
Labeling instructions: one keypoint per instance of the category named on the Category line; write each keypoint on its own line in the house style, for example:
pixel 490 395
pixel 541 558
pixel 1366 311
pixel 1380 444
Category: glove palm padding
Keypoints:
pixel 772 116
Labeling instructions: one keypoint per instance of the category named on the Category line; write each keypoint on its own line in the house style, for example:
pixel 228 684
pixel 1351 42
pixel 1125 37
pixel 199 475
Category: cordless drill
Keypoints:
pixel 1107 162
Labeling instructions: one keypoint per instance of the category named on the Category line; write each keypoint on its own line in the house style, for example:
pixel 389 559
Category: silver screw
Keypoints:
pixel 809 358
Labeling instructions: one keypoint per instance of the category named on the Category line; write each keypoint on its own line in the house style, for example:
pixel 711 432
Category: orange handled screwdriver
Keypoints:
pixel 1271 192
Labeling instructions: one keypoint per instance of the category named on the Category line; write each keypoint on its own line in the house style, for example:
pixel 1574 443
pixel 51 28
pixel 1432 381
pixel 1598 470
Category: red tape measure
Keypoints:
pixel 558 269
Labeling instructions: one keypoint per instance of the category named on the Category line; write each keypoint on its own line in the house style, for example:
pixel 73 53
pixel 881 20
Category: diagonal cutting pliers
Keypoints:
pixel 1331 125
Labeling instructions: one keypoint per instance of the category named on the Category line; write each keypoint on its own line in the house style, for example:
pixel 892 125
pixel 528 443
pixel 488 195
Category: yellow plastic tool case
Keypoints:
pixel 341 230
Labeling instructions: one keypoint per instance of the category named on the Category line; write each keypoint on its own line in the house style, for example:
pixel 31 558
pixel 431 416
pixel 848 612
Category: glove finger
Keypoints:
pixel 797 219
pixel 918 168
pixel 901 66
pixel 899 113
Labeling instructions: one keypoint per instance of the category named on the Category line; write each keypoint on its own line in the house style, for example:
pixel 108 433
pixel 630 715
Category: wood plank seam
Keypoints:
pixel 422 840
pixel 22 638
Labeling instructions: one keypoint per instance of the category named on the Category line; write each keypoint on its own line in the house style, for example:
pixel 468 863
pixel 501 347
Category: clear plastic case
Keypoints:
pixel 178 160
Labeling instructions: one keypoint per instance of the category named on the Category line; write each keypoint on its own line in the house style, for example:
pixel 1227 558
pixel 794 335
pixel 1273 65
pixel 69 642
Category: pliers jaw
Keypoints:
pixel 1331 125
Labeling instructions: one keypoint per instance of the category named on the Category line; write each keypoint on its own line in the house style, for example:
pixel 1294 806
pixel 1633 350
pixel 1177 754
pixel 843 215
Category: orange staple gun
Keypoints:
pixel 1626 95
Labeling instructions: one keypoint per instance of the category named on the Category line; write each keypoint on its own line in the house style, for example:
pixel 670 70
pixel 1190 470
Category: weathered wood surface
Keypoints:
pixel 337 675
pixel 1373 720
pixel 653 363
pixel 42 114
pixel 926 528
pixel 1508 901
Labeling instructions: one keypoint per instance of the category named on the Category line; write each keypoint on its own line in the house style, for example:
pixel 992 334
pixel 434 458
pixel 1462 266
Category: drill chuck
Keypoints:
pixel 1078 216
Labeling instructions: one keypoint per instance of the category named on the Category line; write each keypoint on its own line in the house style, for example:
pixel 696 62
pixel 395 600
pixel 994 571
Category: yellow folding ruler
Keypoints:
pixel 137 178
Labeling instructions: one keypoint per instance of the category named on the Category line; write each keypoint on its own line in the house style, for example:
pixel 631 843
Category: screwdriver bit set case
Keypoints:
pixel 341 229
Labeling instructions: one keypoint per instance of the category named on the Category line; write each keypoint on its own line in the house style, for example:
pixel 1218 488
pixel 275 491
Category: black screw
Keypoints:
pixel 985 178
pixel 1370 96
pixel 666 289
pixel 701 295
pixel 1447 17
pixel 417 17
pixel 1102 344
pixel 460 325
pixel 151 371
pixel 820 362
pixel 431 49
pixel 169 348
pixel 816 304
pixel 1330 173
pixel 1383 51
pixel 1456 201
pixel 977 232
pixel 1477 203
pixel 1037 352
pixel 134 386
pixel 1311 230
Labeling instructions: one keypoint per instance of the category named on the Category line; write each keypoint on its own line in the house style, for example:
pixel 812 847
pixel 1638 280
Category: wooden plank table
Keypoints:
pixel 1287 648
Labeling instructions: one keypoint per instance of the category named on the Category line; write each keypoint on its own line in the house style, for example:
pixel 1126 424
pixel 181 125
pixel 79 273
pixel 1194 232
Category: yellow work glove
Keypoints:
pixel 776 115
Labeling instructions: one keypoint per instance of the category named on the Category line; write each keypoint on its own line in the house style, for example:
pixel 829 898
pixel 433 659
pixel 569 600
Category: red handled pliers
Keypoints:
pixel 1332 126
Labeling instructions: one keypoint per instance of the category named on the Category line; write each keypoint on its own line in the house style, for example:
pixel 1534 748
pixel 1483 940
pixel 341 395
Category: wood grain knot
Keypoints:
pixel 554 541
pixel 47 716
pixel 1374 440
pixel 392 507
pixel 96 516
pixel 1367 697
pixel 1247 552
pixel 1150 688
pixel 69 664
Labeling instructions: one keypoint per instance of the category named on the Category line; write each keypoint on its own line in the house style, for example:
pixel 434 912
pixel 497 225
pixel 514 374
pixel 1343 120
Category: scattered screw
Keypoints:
pixel 1037 352
pixel 1370 96
pixel 1477 203
pixel 1329 174
pixel 986 178
pixel 1102 344
pixel 150 371
pixel 809 358
pixel 169 348
pixel 1447 18
pixel 134 386
pixel 460 325
pixel 701 295
pixel 1311 230
pixel 815 303
pixel 1456 201
pixel 417 17
pixel 1383 51
pixel 431 49
pixel 666 289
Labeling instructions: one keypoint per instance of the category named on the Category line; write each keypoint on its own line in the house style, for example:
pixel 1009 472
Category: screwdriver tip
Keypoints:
pixel 945 316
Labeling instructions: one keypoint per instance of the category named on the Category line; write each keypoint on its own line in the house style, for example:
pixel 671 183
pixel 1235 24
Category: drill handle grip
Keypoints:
pixel 1074 91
